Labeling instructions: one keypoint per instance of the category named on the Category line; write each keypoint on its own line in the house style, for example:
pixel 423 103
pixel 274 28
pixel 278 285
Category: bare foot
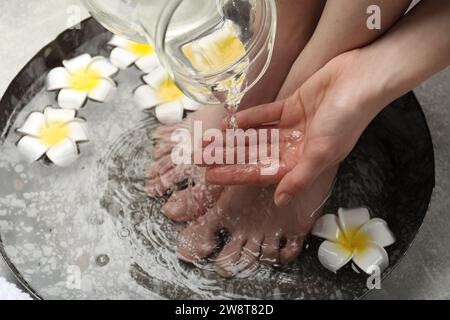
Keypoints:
pixel 164 176
pixel 259 230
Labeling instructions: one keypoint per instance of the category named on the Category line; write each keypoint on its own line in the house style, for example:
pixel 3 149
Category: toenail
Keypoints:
pixel 170 208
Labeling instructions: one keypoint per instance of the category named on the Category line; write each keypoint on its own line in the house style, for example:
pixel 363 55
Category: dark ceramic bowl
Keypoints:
pixel 90 231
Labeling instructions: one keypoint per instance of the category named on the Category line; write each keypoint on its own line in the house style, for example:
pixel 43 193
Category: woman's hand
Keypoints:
pixel 331 110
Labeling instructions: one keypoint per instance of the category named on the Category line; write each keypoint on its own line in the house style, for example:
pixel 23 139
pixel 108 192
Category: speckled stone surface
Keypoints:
pixel 424 273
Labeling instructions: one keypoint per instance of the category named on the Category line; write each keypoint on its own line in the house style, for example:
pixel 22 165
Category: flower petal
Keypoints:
pixel 33 124
pixel 327 227
pixel 103 66
pixel 372 256
pixel 64 153
pixel 190 104
pixel 148 63
pixel 145 97
pixel 332 256
pixel 58 115
pixel 32 148
pixel 118 41
pixel 350 220
pixel 101 90
pixel 169 113
pixel 58 78
pixel 156 77
pixel 378 232
pixel 78 130
pixel 77 63
pixel 71 98
pixel 122 58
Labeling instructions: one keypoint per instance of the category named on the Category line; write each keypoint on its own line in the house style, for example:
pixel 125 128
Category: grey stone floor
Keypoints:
pixel 27 25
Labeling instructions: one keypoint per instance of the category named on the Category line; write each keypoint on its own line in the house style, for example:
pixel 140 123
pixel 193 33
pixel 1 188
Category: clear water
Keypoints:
pixel 225 88
pixel 95 221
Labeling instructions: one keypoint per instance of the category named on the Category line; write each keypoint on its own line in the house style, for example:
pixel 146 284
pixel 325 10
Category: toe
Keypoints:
pixel 163 132
pixel 190 203
pixel 155 187
pixel 160 167
pixel 185 205
pixel 199 239
pixel 250 255
pixel 291 250
pixel 227 261
pixel 162 149
pixel 270 250
pixel 168 181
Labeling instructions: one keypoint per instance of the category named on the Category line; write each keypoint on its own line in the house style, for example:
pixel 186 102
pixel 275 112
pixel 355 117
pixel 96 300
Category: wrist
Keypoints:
pixel 362 87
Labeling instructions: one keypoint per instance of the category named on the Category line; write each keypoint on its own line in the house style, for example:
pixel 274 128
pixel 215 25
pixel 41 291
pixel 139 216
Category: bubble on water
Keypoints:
pixel 102 260
pixel 124 233
pixel 96 218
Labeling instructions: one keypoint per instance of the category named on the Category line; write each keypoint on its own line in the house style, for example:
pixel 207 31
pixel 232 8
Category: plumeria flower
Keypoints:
pixel 128 52
pixel 161 92
pixel 54 133
pixel 82 77
pixel 352 235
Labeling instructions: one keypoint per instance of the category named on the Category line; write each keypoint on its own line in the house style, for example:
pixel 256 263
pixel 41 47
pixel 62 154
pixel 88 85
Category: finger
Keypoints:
pixel 245 174
pixel 261 135
pixel 299 178
pixel 257 116
pixel 252 155
pixel 236 148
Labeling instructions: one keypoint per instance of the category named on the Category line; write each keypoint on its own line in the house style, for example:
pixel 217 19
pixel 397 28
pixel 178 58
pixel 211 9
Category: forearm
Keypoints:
pixel 342 27
pixel 415 49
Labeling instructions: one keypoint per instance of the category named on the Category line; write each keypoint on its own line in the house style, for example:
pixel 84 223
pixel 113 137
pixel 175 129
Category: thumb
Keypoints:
pixel 300 178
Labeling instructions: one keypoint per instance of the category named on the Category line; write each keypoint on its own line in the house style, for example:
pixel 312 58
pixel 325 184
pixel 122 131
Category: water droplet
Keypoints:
pixel 102 260
pixel 134 206
pixel 124 233
pixel 296 135
pixel 137 216
pixel 96 218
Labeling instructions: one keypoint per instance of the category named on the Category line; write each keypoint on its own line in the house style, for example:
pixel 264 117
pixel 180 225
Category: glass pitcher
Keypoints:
pixel 214 50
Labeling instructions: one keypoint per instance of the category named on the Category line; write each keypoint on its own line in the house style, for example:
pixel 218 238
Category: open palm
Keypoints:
pixel 318 127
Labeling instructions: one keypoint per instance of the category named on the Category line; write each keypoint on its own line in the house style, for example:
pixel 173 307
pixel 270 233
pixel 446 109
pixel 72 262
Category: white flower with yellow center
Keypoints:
pixel 128 52
pixel 352 235
pixel 161 92
pixel 54 133
pixel 82 77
